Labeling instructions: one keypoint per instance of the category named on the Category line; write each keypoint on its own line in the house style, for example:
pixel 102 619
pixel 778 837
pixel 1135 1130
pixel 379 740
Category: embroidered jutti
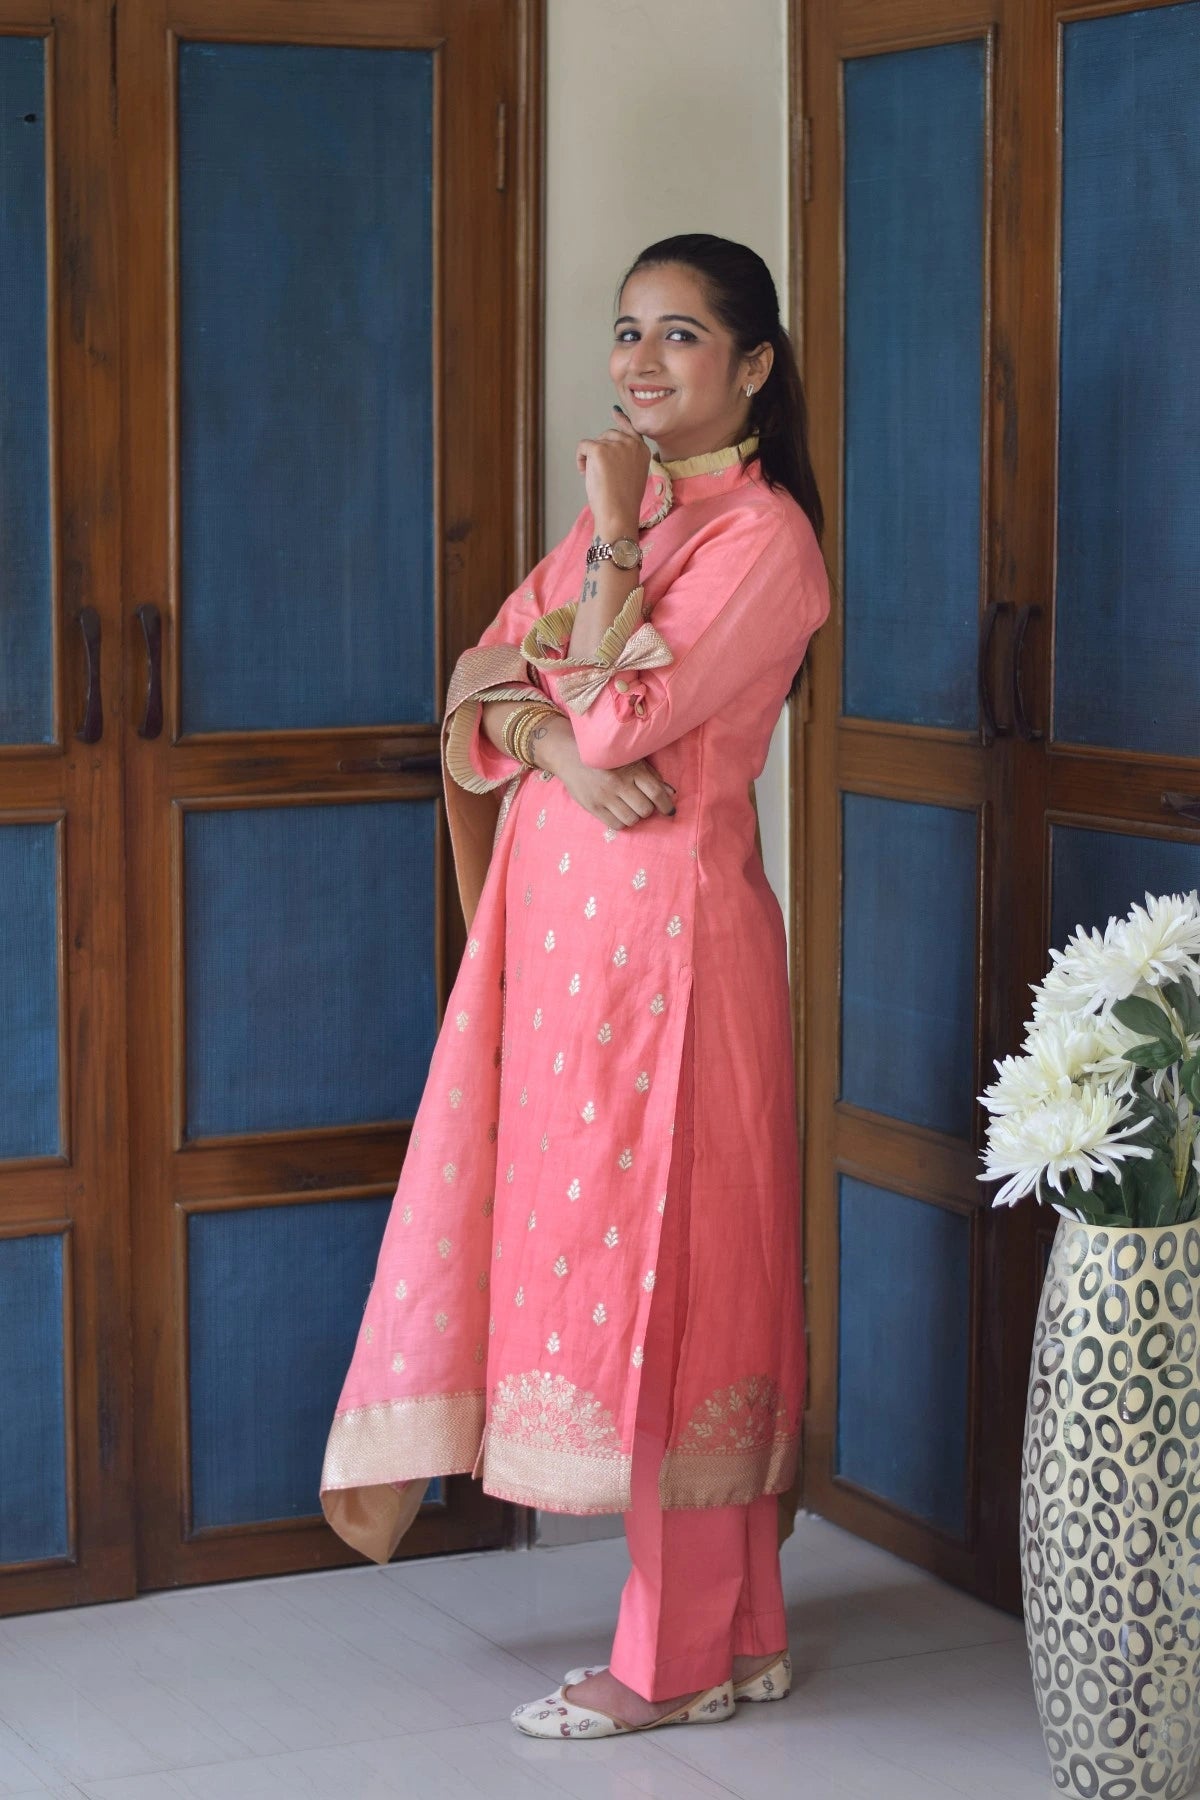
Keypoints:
pixel 503 1334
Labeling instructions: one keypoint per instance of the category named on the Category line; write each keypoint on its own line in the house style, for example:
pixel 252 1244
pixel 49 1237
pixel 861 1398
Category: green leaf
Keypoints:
pixel 1160 1053
pixel 1143 1015
pixel 1186 1001
pixel 1081 1202
pixel 1104 1203
pixel 1161 1111
pixel 1150 1184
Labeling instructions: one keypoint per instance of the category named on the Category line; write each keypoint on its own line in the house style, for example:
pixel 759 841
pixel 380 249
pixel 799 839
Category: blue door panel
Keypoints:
pixel 310 965
pixel 1098 875
pixel 275 1299
pixel 29 996
pixel 903 1351
pixel 909 953
pixel 1127 652
pixel 306 386
pixel 914 237
pixel 26 673
pixel 33 1432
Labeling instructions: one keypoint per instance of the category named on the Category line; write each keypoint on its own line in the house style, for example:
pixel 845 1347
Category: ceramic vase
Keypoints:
pixel 1110 1511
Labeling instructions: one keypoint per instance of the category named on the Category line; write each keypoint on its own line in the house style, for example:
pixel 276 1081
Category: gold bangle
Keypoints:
pixel 510 732
pixel 512 718
pixel 531 718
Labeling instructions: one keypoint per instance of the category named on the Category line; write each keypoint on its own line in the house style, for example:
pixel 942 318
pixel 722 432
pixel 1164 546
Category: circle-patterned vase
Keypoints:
pixel 1110 1511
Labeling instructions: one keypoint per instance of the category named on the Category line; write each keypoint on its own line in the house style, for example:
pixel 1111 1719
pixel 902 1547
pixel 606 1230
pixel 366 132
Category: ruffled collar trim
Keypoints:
pixel 710 463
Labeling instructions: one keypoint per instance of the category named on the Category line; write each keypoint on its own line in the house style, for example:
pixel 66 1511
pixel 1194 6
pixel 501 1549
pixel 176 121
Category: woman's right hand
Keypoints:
pixel 617 797
pixel 620 797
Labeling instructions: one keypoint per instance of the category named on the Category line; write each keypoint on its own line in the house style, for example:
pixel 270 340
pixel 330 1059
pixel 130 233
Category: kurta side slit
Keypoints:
pixel 505 1330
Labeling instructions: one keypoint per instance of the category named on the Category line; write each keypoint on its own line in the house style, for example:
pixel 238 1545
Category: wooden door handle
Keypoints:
pixel 988 728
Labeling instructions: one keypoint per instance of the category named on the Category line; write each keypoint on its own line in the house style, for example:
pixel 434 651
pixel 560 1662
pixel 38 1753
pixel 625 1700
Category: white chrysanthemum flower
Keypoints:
pixel 1083 1135
pixel 1058 1054
pixel 1079 977
pixel 1160 941
pixel 1156 943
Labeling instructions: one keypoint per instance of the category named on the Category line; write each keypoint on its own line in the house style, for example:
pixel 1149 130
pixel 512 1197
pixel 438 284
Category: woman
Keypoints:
pixel 588 1290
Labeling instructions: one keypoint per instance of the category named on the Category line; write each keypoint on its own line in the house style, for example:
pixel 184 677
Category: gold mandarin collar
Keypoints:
pixel 664 474
pixel 712 460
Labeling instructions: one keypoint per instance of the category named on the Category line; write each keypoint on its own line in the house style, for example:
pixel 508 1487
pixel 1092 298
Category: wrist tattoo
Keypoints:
pixel 539 731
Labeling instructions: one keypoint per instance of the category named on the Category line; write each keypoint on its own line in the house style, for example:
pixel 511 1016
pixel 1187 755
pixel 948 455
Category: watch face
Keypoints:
pixel 625 553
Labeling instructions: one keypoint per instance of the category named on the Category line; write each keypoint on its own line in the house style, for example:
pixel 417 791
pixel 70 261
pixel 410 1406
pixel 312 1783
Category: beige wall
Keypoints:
pixel 662 116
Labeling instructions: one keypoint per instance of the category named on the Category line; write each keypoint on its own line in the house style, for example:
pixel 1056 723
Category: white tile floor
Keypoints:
pixel 365 1683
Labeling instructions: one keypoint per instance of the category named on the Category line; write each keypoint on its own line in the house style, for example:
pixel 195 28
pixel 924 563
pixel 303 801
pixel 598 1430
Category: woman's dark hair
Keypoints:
pixel 742 295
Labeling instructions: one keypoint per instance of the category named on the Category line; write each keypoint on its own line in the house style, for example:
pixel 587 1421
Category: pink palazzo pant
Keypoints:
pixel 704 1585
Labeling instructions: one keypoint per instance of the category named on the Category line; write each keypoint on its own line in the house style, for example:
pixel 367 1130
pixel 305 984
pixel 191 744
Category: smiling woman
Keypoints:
pixel 679 368
pixel 588 1290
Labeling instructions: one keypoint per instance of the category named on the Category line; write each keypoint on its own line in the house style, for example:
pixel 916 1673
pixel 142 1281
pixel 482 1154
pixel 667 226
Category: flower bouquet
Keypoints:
pixel 1103 1103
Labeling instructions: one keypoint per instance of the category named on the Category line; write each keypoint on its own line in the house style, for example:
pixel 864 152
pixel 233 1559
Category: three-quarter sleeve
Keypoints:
pixel 749 598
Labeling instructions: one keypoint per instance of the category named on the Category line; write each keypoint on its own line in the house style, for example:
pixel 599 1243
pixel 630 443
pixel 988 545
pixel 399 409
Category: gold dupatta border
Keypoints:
pixel 365 1502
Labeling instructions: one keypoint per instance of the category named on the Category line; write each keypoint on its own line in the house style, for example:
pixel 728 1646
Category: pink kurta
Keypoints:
pixel 504 1329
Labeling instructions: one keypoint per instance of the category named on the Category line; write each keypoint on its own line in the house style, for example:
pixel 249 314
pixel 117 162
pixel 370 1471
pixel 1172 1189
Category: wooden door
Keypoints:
pixel 65 1417
pixel 323 306
pixel 1108 645
pixel 910 847
pixel 1001 318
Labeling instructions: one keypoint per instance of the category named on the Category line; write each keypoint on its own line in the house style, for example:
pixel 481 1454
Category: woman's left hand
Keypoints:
pixel 614 467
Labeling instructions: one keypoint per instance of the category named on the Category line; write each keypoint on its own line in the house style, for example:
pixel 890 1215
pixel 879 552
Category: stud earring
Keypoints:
pixel 749 389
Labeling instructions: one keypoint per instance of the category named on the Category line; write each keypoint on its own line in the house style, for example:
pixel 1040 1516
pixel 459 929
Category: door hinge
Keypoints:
pixel 806 159
pixel 501 146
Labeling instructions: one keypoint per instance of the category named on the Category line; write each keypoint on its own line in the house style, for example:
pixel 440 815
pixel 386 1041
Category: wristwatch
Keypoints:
pixel 624 552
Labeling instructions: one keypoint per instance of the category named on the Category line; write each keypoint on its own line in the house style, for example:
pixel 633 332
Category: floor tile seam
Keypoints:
pixel 692 1768
pixel 869 1662
pixel 160 1688
pixel 385 1737
pixel 947 1792
pixel 46 1756
pixel 491 1643
pixel 244 1754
